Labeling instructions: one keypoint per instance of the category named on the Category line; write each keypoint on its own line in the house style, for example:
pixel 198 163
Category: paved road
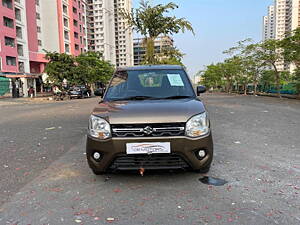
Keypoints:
pixel 45 178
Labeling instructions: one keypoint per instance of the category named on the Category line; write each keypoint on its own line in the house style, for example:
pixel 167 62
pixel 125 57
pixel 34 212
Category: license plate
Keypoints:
pixel 148 148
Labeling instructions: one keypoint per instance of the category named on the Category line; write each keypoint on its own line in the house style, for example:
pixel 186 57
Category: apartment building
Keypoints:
pixel 28 27
pixel 109 32
pixel 283 17
pixel 286 18
pixel 269 24
pixel 293 15
pixel 160 44
pixel 281 11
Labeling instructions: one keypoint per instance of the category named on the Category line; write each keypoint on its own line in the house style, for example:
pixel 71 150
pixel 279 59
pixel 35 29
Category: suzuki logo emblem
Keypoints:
pixel 148 130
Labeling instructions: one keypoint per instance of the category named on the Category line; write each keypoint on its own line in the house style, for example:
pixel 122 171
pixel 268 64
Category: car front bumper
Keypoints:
pixel 113 150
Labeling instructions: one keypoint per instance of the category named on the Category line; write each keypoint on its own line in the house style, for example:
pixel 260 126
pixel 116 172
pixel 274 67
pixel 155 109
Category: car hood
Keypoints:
pixel 149 111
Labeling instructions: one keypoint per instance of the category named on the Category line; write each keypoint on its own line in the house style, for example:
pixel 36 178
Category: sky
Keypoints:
pixel 218 25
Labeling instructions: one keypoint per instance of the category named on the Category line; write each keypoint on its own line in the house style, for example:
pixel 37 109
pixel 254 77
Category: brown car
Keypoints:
pixel 150 119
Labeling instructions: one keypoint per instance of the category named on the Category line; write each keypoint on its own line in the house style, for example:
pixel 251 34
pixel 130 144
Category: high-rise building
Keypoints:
pixel 286 18
pixel 109 32
pixel 28 27
pixel 281 10
pixel 293 15
pixel 269 24
pixel 283 17
pixel 265 28
pixel 160 44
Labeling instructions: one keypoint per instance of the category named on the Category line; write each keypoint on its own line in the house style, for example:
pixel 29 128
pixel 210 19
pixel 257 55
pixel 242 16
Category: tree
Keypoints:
pixel 87 68
pixel 212 76
pixel 270 55
pixel 91 68
pixel 151 22
pixel 291 52
pixel 60 67
pixel 251 65
pixel 171 56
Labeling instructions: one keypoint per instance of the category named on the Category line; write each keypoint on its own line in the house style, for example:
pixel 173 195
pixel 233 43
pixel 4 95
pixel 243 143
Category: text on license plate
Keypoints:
pixel 148 148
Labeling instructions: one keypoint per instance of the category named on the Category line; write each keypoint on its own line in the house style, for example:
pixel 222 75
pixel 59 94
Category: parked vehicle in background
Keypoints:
pixel 80 91
pixel 99 91
pixel 150 118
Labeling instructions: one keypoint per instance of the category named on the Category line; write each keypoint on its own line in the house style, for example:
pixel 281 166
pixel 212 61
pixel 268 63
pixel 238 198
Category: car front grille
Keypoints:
pixel 152 162
pixel 148 130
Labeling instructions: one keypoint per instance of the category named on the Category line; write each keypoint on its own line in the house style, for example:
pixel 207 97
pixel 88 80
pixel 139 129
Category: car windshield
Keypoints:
pixel 149 84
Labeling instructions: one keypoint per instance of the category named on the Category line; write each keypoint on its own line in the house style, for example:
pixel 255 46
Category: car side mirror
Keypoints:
pixel 200 90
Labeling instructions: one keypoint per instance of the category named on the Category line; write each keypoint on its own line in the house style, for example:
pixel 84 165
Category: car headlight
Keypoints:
pixel 197 126
pixel 99 128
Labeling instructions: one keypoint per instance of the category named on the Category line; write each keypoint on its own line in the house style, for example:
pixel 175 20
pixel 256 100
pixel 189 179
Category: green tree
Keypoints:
pixel 61 66
pixel 91 68
pixel 152 21
pixel 171 56
pixel 212 76
pixel 291 52
pixel 232 73
pixel 251 65
pixel 269 54
pixel 87 68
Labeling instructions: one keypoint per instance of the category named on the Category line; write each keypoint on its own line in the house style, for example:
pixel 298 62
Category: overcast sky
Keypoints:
pixel 218 25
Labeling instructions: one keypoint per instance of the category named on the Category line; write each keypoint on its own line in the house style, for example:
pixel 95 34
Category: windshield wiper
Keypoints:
pixel 178 97
pixel 141 97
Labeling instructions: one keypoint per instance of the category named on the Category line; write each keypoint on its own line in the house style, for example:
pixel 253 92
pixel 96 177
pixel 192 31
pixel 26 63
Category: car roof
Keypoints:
pixel 151 67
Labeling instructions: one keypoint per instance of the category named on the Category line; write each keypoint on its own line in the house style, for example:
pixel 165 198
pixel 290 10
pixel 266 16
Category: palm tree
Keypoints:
pixel 151 22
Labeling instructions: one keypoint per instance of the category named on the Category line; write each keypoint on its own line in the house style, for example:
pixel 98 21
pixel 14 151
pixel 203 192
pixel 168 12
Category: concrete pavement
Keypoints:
pixel 257 151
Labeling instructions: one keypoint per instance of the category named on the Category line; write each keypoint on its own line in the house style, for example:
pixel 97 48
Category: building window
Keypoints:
pixel 38 28
pixel 65 9
pixel 38 16
pixel 66 33
pixel 39 43
pixel 11 61
pixel 76 47
pixel 7 4
pixel 66 22
pixel 37 2
pixel 20 50
pixel 75 23
pixel 8 22
pixel 74 10
pixel 19 32
pixel 67 48
pixel 76 35
pixel 9 41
